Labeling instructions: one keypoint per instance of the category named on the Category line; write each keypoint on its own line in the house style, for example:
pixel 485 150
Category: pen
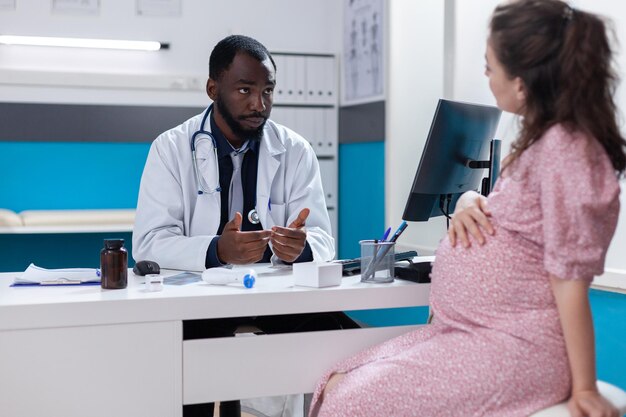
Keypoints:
pixel 269 204
pixel 376 250
pixel 385 235
pixel 398 232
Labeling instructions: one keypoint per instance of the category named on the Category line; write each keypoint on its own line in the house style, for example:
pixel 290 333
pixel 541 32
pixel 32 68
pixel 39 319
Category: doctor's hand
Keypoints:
pixel 239 248
pixel 289 242
pixel 470 216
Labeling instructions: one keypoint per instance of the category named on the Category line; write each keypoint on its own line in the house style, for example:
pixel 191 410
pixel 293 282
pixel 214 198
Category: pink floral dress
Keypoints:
pixel 495 347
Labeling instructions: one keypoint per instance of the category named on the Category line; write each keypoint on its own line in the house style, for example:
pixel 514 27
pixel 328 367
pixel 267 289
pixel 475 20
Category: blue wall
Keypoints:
pixel 609 312
pixel 362 216
pixel 361 195
pixel 72 175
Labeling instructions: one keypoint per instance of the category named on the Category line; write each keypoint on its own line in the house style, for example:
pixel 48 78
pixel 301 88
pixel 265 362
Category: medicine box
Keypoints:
pixel 317 274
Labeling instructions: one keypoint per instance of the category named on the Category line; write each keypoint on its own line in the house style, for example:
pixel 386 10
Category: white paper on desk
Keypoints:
pixel 37 275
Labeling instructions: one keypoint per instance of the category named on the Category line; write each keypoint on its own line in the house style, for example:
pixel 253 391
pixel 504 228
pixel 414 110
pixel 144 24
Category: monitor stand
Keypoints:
pixel 493 165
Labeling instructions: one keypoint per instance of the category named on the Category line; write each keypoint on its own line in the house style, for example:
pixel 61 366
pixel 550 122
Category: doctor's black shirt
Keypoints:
pixel 248 181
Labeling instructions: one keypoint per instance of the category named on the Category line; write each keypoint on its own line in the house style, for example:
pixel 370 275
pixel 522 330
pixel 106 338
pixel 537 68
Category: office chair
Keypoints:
pixel 612 393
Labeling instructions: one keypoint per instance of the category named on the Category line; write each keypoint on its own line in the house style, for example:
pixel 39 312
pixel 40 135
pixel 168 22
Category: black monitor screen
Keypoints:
pixel 459 133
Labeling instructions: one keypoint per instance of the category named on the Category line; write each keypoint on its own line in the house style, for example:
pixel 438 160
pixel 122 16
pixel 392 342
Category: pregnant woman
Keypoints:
pixel 512 330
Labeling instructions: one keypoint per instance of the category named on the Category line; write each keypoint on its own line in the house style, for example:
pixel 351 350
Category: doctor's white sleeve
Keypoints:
pixel 307 191
pixel 159 231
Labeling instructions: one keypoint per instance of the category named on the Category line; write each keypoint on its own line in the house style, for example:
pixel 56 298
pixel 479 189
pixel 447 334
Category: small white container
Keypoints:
pixel 317 274
pixel 154 282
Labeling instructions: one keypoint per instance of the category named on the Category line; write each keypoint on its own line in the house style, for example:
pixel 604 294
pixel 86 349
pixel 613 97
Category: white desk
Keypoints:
pixel 80 350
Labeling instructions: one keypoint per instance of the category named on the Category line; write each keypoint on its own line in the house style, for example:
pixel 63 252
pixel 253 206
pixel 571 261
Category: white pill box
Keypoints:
pixel 154 282
pixel 317 274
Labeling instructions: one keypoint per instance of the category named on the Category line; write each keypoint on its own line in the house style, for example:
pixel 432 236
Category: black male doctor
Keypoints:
pixel 249 190
pixel 230 186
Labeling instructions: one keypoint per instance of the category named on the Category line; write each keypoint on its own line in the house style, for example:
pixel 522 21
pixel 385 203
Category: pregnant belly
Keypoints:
pixel 504 276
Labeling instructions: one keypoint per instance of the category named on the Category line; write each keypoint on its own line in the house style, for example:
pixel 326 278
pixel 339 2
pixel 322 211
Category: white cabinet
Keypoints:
pixel 123 370
pixel 203 359
pixel 305 100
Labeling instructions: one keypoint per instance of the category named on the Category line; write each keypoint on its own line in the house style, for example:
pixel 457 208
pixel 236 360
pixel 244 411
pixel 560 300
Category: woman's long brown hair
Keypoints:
pixel 564 58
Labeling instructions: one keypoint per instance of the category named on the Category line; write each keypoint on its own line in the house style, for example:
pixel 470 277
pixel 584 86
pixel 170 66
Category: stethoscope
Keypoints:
pixel 253 215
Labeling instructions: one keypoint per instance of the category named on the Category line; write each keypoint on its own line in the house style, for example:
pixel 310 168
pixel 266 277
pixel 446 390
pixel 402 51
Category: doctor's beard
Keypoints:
pixel 241 132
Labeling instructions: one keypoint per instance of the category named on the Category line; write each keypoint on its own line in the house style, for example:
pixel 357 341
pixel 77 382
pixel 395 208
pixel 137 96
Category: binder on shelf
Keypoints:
pixel 295 78
pixel 328 171
pixel 320 80
pixel 318 131
pixel 290 75
pixel 306 124
pixel 280 87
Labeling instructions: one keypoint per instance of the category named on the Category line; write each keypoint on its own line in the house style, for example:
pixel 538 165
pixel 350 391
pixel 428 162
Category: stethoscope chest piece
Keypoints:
pixel 253 217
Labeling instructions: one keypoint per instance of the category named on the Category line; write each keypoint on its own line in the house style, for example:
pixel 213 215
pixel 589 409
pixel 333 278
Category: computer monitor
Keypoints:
pixel 460 146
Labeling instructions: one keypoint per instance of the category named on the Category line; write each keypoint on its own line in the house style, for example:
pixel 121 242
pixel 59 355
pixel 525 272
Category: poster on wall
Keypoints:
pixel 7 5
pixel 363 51
pixel 87 7
pixel 161 8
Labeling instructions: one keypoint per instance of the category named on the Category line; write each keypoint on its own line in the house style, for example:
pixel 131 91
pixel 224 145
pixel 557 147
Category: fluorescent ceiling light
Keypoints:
pixel 83 43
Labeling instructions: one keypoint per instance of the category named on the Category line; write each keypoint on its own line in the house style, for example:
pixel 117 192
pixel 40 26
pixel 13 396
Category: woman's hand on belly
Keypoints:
pixel 471 217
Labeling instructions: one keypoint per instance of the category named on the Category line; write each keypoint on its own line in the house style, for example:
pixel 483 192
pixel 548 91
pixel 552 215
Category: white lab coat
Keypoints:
pixel 174 225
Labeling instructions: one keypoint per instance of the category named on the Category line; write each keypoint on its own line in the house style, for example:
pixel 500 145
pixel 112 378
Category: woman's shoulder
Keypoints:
pixel 561 144
pixel 560 138
pixel 555 137
pixel 551 146
pixel 564 149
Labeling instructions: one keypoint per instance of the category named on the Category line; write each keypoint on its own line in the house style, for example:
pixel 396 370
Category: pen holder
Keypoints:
pixel 377 261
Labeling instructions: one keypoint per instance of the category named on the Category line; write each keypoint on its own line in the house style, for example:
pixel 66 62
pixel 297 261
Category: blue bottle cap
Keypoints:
pixel 248 281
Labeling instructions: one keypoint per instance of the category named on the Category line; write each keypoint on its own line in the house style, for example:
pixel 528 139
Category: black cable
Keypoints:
pixel 441 199
pixel 446 212
pixel 448 217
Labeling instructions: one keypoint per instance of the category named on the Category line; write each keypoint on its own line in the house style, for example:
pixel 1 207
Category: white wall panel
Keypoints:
pixel 415 83
pixel 311 27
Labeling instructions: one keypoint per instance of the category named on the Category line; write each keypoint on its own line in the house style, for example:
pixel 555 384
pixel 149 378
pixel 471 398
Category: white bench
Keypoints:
pixel 612 393
pixel 67 221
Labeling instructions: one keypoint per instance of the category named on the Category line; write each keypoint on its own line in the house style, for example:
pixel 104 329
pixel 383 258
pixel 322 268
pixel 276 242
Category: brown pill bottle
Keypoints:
pixel 114 265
